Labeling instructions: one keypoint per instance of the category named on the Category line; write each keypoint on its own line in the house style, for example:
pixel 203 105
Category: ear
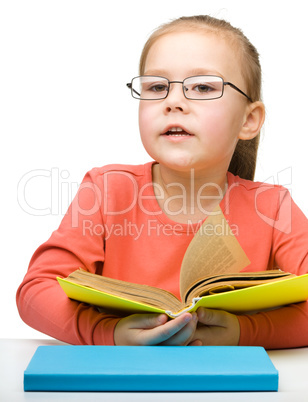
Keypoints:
pixel 253 121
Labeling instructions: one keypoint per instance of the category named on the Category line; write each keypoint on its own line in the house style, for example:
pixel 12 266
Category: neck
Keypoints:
pixel 188 196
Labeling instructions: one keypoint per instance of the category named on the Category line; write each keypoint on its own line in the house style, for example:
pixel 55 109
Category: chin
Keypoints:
pixel 179 165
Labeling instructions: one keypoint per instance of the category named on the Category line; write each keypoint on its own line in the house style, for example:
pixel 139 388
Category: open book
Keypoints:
pixel 210 277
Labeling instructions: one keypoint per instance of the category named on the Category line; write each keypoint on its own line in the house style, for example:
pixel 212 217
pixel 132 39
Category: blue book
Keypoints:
pixel 150 368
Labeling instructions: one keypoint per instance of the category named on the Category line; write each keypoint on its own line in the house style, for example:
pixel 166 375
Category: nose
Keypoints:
pixel 176 100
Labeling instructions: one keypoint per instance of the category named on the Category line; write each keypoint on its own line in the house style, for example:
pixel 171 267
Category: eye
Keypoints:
pixel 203 88
pixel 158 88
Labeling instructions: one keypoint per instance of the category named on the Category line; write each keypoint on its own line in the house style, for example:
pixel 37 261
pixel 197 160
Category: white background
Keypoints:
pixel 65 108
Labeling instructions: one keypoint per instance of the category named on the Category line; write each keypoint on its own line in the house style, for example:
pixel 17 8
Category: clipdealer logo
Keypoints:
pixel 152 227
pixel 59 193
pixel 57 190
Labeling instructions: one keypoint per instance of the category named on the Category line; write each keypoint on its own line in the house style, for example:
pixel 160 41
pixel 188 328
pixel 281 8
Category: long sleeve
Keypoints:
pixel 41 302
pixel 109 230
pixel 285 327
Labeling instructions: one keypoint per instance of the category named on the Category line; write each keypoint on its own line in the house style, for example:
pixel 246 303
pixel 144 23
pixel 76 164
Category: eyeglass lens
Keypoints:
pixel 198 87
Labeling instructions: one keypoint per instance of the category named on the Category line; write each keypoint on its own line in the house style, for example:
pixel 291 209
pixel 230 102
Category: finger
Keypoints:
pixel 212 317
pixel 147 321
pixel 217 328
pixel 185 335
pixel 131 330
pixel 197 342
pixel 162 333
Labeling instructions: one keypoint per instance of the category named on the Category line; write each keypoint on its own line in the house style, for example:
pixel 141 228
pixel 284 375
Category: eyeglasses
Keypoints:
pixel 200 87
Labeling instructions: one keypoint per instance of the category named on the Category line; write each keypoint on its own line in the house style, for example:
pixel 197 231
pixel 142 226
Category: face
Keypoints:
pixel 210 128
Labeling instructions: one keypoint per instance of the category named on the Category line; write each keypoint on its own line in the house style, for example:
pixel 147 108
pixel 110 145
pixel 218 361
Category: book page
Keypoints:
pixel 214 250
pixel 139 293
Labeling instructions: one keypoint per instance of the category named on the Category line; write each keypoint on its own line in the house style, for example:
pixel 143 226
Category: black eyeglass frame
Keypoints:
pixel 130 86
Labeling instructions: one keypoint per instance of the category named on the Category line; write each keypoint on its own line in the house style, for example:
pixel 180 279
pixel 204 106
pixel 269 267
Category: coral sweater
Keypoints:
pixel 116 228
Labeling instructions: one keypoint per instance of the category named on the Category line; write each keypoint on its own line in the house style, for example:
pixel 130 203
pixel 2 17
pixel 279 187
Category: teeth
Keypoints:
pixel 177 132
pixel 175 129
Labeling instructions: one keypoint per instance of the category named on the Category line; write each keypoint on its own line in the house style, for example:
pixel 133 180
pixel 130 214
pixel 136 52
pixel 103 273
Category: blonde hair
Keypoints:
pixel 243 162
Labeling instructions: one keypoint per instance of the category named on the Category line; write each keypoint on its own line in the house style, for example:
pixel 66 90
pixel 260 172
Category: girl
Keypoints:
pixel 200 116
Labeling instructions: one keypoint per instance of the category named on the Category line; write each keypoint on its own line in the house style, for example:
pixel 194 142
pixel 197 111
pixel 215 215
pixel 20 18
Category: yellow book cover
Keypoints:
pixel 210 277
pixel 249 299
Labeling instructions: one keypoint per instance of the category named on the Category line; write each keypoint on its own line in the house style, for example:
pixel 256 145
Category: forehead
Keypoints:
pixel 190 53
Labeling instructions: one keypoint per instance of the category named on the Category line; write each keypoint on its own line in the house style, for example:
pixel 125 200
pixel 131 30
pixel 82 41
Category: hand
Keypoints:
pixel 153 329
pixel 216 327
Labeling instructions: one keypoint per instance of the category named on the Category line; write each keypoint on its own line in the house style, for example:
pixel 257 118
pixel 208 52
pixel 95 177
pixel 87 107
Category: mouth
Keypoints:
pixel 176 131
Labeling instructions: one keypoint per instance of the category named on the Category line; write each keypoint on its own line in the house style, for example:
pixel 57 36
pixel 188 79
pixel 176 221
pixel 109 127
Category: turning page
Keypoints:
pixel 213 250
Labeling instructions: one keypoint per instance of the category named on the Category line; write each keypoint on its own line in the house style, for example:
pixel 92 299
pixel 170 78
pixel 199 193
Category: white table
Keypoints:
pixel 15 355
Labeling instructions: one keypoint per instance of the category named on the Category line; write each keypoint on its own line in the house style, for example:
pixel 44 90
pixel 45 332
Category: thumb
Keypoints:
pixel 211 317
pixel 148 321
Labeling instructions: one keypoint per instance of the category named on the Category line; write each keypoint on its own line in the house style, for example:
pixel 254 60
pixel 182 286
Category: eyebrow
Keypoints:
pixel 198 71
